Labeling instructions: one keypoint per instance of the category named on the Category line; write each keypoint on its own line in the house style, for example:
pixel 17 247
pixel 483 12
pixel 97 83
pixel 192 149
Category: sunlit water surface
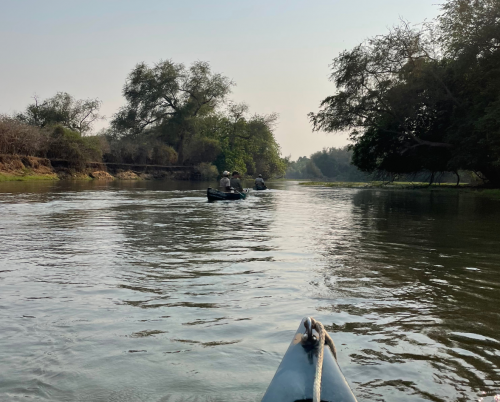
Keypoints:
pixel 144 291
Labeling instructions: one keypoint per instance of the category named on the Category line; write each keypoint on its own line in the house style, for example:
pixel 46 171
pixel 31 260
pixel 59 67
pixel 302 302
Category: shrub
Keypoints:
pixel 104 144
pixel 121 151
pixel 207 171
pixel 164 155
pixel 201 150
pixel 17 138
pixel 71 146
pixel 140 152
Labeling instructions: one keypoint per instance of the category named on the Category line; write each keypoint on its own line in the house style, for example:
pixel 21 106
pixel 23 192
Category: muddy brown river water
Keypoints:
pixel 144 291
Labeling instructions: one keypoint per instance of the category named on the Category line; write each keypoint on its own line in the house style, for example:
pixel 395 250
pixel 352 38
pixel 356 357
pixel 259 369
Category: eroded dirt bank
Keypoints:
pixel 17 167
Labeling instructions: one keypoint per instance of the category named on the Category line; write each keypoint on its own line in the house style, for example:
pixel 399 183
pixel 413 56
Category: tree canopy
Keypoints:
pixel 330 163
pixel 423 97
pixel 173 115
pixel 78 115
pixel 156 95
pixel 187 111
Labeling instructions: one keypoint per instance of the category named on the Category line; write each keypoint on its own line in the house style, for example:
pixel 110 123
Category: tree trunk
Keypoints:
pixel 180 153
pixel 431 179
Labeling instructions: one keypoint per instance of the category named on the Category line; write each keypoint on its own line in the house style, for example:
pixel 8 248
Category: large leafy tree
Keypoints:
pixel 470 32
pixel 166 97
pixel 63 109
pixel 171 104
pixel 425 98
pixel 246 142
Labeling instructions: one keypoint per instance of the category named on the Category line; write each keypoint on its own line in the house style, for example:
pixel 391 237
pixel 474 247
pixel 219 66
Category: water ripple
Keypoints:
pixel 145 291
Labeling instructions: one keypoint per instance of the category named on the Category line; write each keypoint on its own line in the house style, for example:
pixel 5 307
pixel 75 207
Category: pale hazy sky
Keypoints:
pixel 277 51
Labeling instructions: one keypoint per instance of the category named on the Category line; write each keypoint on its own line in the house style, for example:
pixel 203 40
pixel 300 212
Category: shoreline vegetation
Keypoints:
pixel 187 129
pixel 421 103
pixel 29 168
pixel 422 97
pixel 407 185
pixel 382 184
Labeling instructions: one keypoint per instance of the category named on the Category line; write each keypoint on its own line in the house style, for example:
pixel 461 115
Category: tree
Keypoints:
pixel 248 143
pixel 325 163
pixel 78 150
pixel 167 97
pixel 424 98
pixel 63 109
pixel 331 163
pixel 470 31
pixel 17 138
pixel 181 107
pixel 201 150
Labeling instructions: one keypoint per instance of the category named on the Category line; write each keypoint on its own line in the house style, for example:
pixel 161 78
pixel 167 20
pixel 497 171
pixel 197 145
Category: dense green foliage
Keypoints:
pixel 54 142
pixel 55 128
pixel 423 99
pixel 71 146
pixel 174 115
pixel 77 115
pixel 330 163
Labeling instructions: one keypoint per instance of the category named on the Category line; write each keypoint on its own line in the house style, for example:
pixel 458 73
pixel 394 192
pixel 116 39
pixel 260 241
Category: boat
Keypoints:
pixel 294 379
pixel 260 187
pixel 215 195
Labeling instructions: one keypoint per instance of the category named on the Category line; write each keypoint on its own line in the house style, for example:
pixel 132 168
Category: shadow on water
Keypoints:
pixel 417 286
pixel 145 291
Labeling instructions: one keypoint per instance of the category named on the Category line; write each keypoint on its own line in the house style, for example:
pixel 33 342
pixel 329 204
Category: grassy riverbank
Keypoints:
pixel 27 177
pixel 492 192
pixel 381 184
pixel 30 168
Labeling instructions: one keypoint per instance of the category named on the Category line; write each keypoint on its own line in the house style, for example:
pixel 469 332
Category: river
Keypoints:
pixel 144 291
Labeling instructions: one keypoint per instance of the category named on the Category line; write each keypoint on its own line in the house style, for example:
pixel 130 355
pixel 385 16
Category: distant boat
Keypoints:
pixel 260 187
pixel 215 195
pixel 294 379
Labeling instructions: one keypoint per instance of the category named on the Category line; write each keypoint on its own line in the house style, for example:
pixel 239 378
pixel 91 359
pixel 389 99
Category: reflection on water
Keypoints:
pixel 144 291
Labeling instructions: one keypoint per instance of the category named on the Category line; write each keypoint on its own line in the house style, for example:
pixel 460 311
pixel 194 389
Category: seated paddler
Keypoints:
pixel 259 181
pixel 235 182
pixel 225 184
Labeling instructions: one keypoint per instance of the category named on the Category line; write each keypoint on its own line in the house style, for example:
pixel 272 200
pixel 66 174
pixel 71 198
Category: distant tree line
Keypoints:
pixel 423 98
pixel 336 164
pixel 330 164
pixel 173 115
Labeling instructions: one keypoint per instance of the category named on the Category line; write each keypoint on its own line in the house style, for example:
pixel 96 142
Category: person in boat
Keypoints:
pixel 259 181
pixel 235 182
pixel 225 183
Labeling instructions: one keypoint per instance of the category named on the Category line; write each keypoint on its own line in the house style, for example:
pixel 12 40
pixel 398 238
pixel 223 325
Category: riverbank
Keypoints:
pixel 406 186
pixel 29 168
pixel 381 184
pixel 25 168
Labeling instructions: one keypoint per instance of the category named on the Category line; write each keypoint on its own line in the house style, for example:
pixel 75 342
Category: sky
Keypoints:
pixel 278 52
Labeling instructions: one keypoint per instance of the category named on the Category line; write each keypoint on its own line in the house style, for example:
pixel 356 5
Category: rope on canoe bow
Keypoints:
pixel 324 337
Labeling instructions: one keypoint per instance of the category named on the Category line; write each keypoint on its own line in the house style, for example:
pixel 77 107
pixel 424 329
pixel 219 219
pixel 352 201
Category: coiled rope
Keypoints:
pixel 324 337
